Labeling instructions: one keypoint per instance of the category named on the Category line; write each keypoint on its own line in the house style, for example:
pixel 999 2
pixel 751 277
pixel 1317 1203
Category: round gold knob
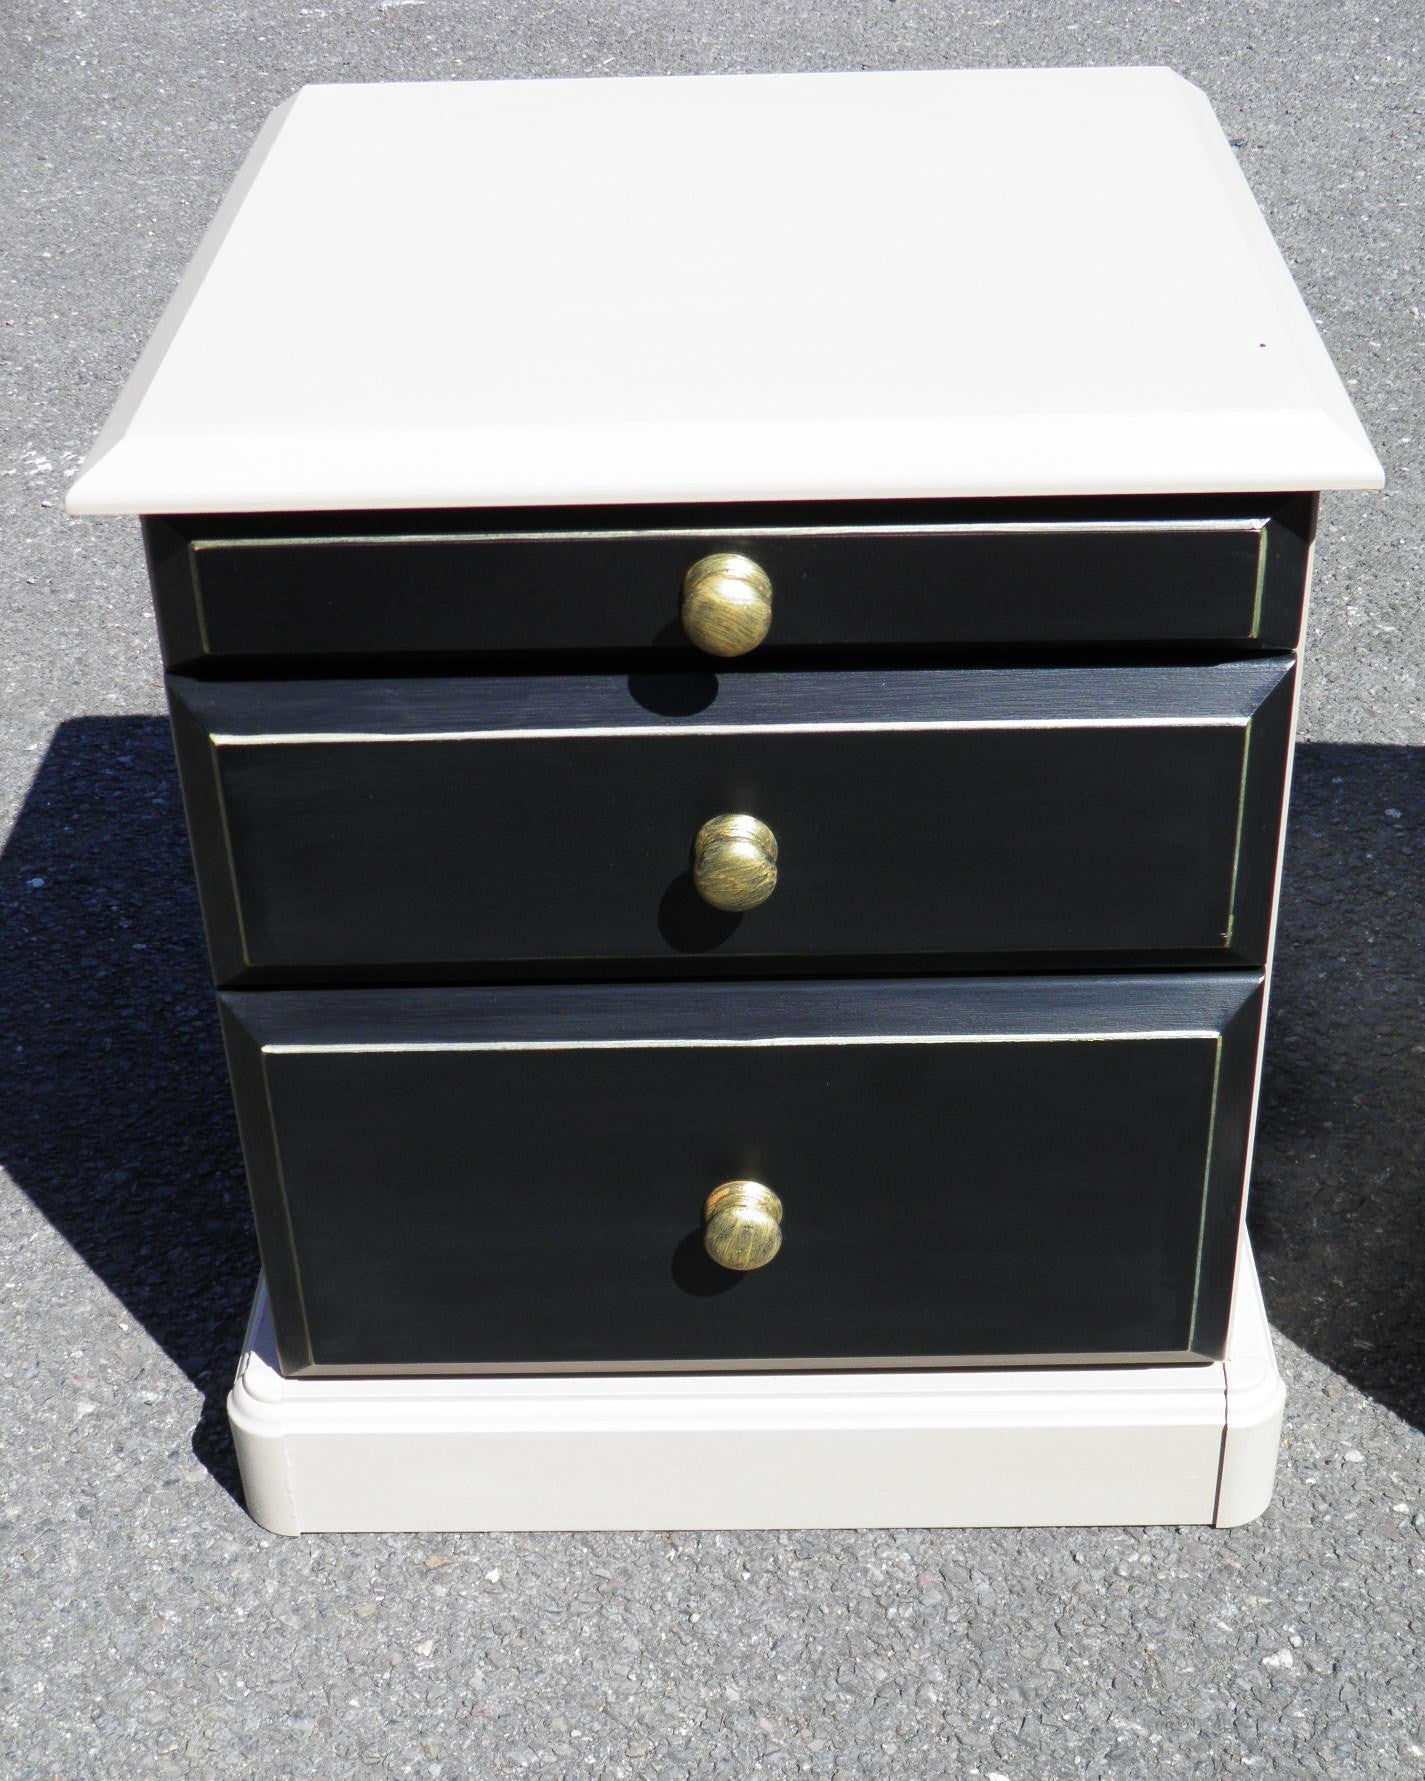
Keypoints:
pixel 742 1225
pixel 735 862
pixel 727 604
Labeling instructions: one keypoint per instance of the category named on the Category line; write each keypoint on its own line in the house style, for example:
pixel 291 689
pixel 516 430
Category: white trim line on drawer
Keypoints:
pixel 730 1044
pixel 968 529
pixel 605 732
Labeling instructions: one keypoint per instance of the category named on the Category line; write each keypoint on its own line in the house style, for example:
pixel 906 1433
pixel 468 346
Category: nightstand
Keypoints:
pixel 733 651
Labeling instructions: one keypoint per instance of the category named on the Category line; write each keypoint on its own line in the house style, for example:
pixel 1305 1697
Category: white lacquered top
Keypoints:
pixel 731 288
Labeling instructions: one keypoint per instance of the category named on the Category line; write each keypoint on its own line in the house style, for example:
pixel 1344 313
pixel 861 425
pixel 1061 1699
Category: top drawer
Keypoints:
pixel 894 576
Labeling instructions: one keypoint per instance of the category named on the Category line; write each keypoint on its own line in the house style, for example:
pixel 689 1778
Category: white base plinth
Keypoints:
pixel 1074 1447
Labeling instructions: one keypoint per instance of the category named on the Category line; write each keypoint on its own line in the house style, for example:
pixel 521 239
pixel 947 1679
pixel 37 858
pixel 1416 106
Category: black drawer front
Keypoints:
pixel 996 1171
pixel 923 577
pixel 434 828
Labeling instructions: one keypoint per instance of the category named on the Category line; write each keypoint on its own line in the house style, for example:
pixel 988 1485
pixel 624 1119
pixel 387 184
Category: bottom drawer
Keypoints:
pixel 995 1171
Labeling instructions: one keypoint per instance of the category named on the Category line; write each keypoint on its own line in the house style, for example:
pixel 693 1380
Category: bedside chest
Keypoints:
pixel 732 650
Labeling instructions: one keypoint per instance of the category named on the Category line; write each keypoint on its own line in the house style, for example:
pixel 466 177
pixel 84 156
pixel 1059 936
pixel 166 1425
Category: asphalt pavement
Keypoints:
pixel 147 1627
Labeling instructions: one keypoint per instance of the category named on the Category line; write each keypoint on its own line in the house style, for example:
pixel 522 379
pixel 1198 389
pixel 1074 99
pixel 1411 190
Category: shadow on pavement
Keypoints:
pixel 114 1108
pixel 115 1117
pixel 1338 1206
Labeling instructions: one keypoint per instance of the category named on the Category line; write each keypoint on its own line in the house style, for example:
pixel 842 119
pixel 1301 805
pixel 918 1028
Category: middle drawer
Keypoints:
pixel 422 828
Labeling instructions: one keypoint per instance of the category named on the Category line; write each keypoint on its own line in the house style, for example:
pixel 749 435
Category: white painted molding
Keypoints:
pixel 1071 1446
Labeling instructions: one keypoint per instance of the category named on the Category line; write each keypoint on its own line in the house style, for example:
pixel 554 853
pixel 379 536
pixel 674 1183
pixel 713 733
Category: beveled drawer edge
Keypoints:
pixel 1259 588
pixel 889 1363
pixel 1101 1003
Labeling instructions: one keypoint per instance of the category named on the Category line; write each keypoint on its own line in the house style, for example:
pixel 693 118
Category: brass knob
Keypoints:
pixel 727 604
pixel 735 862
pixel 742 1225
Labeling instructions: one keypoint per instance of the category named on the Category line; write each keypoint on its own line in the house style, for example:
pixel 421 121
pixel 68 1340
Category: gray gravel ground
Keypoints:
pixel 149 1628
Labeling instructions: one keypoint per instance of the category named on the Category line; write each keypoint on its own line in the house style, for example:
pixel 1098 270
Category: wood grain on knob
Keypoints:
pixel 727 604
pixel 735 862
pixel 742 1225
